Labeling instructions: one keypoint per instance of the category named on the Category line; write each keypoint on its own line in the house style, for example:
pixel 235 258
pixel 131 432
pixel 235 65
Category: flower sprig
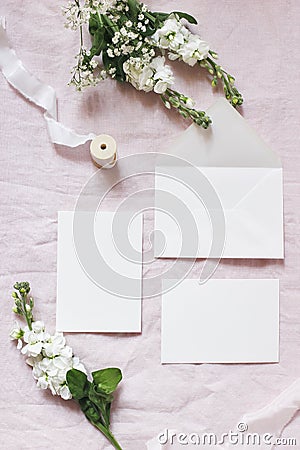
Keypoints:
pixel 227 80
pixel 23 304
pixel 55 367
pixel 130 43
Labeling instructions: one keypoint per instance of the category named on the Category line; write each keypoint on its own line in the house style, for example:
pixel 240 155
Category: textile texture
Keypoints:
pixel 258 42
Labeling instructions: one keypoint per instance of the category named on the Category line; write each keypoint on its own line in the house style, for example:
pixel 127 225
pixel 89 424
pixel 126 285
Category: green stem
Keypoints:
pixel 149 16
pixel 231 92
pixel 107 434
pixel 178 101
pixel 28 320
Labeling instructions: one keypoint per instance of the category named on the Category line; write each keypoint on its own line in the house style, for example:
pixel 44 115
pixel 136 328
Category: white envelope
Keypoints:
pixel 115 304
pixel 220 321
pixel 246 177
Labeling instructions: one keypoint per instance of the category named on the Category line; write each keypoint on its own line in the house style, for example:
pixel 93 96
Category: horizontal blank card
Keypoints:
pixel 221 321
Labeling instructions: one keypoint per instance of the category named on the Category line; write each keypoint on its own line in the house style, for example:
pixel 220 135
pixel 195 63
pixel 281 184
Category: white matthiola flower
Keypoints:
pixel 163 76
pixel 55 345
pixel 37 371
pixel 50 372
pixel 145 79
pixel 194 50
pixel 163 35
pixel 32 361
pixel 65 393
pixel 42 383
pixel 32 349
pixel 78 365
pixel 17 333
pixel 148 76
pixel 173 56
pixel 38 326
pixel 49 356
pixel 183 44
pixel 138 74
pixel 36 334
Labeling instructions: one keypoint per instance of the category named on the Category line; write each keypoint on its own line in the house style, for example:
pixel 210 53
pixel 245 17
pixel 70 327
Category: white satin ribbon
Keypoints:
pixel 270 420
pixel 37 92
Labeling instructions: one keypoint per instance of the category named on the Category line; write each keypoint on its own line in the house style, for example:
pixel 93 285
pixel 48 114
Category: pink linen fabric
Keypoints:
pixel 257 41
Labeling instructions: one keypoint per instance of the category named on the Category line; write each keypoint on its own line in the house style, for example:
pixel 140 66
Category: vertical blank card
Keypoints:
pixel 84 305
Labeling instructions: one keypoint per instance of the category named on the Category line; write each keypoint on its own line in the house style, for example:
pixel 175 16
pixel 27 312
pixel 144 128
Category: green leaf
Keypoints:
pixel 109 26
pixel 107 411
pixel 102 402
pixel 90 410
pixel 160 16
pixel 116 62
pixel 133 8
pixel 97 31
pixel 107 380
pixel 77 383
pixel 94 24
pixel 99 42
pixel 150 30
pixel 185 16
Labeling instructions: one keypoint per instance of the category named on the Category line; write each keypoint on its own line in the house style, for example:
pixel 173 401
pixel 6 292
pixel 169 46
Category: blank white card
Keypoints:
pixel 99 290
pixel 221 321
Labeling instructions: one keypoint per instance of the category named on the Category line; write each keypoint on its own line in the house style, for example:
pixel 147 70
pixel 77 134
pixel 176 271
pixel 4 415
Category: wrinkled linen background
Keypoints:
pixel 257 41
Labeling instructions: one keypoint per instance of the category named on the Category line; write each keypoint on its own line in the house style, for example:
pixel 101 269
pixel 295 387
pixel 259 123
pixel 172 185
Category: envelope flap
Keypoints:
pixel 229 142
pixel 233 185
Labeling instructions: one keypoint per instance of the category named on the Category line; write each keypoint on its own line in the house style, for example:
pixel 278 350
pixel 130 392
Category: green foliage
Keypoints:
pixel 124 31
pixel 78 383
pixel 107 380
pixel 95 398
pixel 186 16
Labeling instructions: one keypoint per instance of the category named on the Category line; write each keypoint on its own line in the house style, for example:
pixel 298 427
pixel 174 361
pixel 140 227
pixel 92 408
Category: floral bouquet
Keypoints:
pixel 131 43
pixel 55 367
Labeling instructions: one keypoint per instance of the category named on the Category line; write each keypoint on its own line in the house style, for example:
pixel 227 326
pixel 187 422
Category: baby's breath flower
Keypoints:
pixel 84 74
pixel 105 5
pixel 76 15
